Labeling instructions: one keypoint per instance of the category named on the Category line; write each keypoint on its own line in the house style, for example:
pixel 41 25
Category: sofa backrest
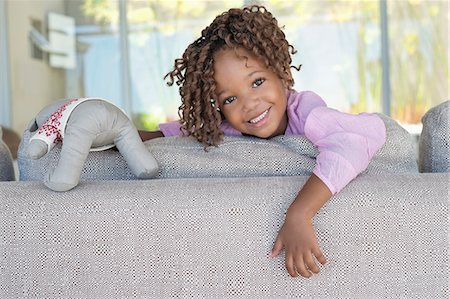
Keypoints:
pixel 181 157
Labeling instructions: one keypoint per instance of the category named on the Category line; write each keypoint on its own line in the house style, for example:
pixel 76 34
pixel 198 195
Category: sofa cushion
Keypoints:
pixel 235 157
pixel 434 141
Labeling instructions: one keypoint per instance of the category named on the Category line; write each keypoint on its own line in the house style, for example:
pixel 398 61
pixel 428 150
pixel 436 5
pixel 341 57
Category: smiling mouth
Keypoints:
pixel 259 118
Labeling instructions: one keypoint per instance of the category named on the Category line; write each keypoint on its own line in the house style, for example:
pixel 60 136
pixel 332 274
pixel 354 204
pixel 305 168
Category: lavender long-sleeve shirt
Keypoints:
pixel 346 142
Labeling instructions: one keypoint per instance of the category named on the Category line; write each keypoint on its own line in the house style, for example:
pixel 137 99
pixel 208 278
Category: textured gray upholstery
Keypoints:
pixel 434 141
pixel 181 157
pixel 385 236
pixel 6 163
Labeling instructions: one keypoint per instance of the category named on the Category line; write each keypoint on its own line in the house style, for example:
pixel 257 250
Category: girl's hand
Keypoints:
pixel 298 238
pixel 297 235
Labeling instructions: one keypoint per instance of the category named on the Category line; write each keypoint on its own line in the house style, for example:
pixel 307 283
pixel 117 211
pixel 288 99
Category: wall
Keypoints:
pixel 33 82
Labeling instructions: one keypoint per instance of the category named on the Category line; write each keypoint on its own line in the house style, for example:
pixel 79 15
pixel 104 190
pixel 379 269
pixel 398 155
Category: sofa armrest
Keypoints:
pixel 434 141
pixel 6 162
pixel 385 236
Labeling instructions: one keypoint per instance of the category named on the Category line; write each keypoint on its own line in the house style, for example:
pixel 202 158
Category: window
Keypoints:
pixel 419 50
pixel 338 42
pixel 99 54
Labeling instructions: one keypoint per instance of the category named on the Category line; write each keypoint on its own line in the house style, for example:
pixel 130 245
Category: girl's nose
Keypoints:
pixel 250 103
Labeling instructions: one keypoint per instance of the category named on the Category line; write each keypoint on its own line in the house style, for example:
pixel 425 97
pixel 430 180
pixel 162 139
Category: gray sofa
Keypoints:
pixel 204 228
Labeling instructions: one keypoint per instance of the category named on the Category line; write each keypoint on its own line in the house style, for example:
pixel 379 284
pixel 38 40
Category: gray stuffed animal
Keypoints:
pixel 82 125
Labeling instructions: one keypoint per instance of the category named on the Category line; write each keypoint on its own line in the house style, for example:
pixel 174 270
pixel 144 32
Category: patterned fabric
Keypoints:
pixel 385 236
pixel 182 157
pixel 434 141
pixel 52 131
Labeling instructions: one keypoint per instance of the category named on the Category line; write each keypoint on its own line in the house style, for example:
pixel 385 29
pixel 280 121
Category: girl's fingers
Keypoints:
pixel 277 247
pixel 289 262
pixel 299 264
pixel 309 260
pixel 301 268
pixel 319 256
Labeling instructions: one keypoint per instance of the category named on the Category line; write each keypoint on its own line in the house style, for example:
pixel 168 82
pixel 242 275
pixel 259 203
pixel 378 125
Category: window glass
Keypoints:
pixel 419 51
pixel 338 44
pixel 159 32
pixel 98 51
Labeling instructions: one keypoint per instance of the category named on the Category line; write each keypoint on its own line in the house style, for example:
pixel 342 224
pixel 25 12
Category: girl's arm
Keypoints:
pixel 147 135
pixel 346 144
pixel 297 234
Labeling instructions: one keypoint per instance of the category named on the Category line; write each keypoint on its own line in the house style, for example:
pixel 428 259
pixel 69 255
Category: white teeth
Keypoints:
pixel 257 119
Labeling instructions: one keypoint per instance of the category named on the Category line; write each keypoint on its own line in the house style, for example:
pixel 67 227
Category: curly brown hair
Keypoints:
pixel 252 28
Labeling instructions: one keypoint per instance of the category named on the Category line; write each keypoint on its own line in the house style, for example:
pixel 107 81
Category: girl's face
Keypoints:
pixel 251 97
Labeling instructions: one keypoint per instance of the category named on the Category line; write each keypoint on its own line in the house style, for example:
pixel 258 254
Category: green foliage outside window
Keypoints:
pixel 146 121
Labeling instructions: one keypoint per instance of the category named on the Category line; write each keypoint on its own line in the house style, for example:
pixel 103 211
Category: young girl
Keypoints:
pixel 235 80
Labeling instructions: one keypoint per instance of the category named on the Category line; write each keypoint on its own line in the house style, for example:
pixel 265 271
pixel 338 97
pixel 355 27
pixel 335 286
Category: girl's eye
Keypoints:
pixel 258 82
pixel 229 100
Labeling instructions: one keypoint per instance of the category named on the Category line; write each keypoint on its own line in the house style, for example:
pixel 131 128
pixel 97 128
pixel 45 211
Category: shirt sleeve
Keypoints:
pixel 299 106
pixel 172 128
pixel 346 144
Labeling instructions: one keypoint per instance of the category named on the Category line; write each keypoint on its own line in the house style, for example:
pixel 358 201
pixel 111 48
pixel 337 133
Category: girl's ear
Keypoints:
pixel 290 80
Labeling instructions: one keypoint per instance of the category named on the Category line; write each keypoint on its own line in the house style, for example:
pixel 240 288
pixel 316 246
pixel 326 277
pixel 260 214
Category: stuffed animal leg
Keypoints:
pixel 83 125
